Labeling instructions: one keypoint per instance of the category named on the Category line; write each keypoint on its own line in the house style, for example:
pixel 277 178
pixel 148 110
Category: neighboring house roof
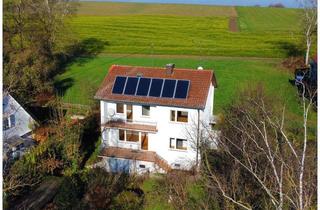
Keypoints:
pixel 200 81
pixel 19 118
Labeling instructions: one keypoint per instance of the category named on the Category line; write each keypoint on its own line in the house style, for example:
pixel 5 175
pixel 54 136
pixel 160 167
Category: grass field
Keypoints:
pixel 188 30
pixel 110 8
pixel 83 77
pixel 258 19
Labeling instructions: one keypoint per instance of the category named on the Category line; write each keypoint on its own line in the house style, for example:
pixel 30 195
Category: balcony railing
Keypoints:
pixel 122 120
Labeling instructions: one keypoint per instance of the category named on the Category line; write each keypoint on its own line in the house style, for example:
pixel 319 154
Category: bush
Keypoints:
pixel 70 193
pixel 128 200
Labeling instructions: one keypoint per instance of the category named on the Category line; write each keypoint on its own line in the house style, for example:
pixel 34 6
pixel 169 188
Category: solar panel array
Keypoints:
pixel 153 87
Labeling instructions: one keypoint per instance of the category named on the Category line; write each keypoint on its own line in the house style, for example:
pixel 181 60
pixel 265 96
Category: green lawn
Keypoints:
pixel 254 19
pixel 85 75
pixel 175 30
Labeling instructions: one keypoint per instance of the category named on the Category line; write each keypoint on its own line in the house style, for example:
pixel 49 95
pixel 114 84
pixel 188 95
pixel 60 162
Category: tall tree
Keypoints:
pixel 258 162
pixel 32 36
pixel 309 24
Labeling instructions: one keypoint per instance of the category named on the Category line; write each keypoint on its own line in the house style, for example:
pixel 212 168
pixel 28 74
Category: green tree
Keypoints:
pixel 32 40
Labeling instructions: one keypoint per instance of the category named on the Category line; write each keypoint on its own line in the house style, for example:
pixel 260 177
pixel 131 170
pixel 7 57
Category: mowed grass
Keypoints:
pixel 112 8
pixel 84 76
pixel 258 19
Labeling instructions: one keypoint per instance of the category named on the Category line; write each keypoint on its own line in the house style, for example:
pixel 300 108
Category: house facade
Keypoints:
pixel 151 117
pixel 17 128
pixel 16 120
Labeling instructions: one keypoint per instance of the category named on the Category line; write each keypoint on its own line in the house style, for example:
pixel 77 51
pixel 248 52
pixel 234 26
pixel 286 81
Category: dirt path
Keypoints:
pixel 233 20
pixel 233 24
pixel 41 196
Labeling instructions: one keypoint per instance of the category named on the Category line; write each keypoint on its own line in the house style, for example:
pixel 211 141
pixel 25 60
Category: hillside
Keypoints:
pixel 137 28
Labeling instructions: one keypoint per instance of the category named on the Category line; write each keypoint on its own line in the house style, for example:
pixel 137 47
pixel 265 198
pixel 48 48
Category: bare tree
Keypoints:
pixel 309 24
pixel 261 155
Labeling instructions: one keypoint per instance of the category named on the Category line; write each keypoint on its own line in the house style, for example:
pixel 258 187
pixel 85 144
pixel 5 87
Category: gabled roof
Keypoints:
pixel 200 81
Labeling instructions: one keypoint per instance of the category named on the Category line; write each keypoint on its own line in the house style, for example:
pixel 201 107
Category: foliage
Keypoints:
pixel 257 160
pixel 70 193
pixel 30 44
pixel 103 187
pixel 56 156
pixel 128 200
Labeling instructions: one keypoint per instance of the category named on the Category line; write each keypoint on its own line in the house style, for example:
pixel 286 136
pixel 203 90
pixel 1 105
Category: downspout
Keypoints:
pixel 198 140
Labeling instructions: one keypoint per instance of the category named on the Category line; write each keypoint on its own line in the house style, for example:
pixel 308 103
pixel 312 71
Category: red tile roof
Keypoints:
pixel 200 81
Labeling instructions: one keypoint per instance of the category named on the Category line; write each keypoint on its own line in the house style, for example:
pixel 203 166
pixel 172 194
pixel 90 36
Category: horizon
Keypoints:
pixel 262 3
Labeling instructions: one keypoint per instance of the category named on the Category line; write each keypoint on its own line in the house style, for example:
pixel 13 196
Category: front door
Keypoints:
pixel 129 112
pixel 144 141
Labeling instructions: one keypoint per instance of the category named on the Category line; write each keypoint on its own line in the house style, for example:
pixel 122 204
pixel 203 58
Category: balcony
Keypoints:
pixel 144 126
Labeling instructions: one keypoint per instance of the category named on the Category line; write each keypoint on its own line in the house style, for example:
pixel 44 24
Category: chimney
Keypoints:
pixel 169 68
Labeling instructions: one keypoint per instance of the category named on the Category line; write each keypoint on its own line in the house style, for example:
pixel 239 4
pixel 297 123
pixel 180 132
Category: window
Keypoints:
pixel 6 123
pixel 132 136
pixel 12 120
pixel 182 116
pixel 120 108
pixel 178 144
pixel 146 110
pixel 142 166
pixel 179 116
pixel 9 122
pixel 181 144
pixel 121 135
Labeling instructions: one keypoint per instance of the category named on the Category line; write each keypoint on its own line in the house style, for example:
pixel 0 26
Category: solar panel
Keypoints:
pixel 143 87
pixel 156 87
pixel 119 85
pixel 168 88
pixel 131 86
pixel 182 89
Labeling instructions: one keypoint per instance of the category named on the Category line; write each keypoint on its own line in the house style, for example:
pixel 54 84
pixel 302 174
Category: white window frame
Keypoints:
pixel 176 116
pixel 175 144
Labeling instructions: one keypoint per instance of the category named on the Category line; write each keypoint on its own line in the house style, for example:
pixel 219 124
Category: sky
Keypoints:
pixel 287 3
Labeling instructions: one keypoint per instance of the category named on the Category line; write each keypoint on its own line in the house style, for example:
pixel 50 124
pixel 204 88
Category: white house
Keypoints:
pixel 151 117
pixel 16 120
pixel 17 127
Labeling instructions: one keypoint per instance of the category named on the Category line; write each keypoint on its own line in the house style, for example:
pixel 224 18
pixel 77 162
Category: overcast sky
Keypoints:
pixel 287 3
